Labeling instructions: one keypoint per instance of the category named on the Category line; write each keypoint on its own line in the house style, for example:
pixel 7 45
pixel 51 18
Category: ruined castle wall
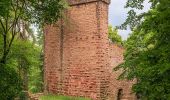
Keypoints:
pixel 52 58
pixel 77 51
pixel 116 58
pixel 85 46
pixel 78 56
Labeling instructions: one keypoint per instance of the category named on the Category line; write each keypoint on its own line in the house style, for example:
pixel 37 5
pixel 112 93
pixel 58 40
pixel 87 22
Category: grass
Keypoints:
pixel 54 97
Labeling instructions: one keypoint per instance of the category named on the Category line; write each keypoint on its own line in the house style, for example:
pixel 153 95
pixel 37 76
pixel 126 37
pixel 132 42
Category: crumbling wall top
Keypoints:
pixel 78 2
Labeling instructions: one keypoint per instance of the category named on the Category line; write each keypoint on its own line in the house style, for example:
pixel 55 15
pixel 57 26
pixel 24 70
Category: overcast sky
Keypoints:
pixel 118 14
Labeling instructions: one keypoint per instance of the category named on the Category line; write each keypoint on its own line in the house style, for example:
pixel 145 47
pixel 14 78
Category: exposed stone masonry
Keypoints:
pixel 80 2
pixel 116 57
pixel 77 54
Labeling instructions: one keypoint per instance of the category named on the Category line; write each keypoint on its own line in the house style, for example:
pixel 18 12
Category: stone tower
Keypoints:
pixel 77 60
pixel 76 51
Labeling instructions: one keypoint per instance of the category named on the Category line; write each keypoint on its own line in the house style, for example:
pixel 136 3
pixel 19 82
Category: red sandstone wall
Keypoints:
pixel 52 58
pixel 116 57
pixel 76 54
pixel 85 46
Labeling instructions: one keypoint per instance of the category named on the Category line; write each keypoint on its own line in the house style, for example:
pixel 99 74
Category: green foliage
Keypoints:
pixel 40 36
pixel 52 97
pixel 11 74
pixel 31 55
pixel 39 11
pixel 36 78
pixel 4 5
pixel 114 36
pixel 36 71
pixel 45 11
pixel 17 52
pixel 10 84
pixel 147 56
pixel 15 12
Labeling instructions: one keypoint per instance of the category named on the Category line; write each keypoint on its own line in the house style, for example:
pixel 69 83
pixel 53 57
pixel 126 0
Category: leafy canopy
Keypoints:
pixel 114 36
pixel 39 11
pixel 19 56
pixel 147 56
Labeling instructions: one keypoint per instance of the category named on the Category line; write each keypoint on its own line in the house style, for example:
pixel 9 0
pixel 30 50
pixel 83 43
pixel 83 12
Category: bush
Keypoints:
pixel 10 83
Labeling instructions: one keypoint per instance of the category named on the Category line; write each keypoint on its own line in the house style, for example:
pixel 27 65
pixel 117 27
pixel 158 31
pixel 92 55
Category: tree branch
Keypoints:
pixel 2 27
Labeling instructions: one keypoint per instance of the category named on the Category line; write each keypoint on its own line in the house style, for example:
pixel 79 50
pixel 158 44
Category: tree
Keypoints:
pixel 17 54
pixel 35 11
pixel 11 83
pixel 148 50
pixel 36 72
pixel 114 36
pixel 24 62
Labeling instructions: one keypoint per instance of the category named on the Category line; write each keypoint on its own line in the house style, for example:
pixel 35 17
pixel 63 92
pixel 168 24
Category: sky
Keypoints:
pixel 118 14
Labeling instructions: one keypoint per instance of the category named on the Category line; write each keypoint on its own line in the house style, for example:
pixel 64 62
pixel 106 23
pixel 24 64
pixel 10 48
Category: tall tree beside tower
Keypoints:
pixel 13 12
pixel 147 56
